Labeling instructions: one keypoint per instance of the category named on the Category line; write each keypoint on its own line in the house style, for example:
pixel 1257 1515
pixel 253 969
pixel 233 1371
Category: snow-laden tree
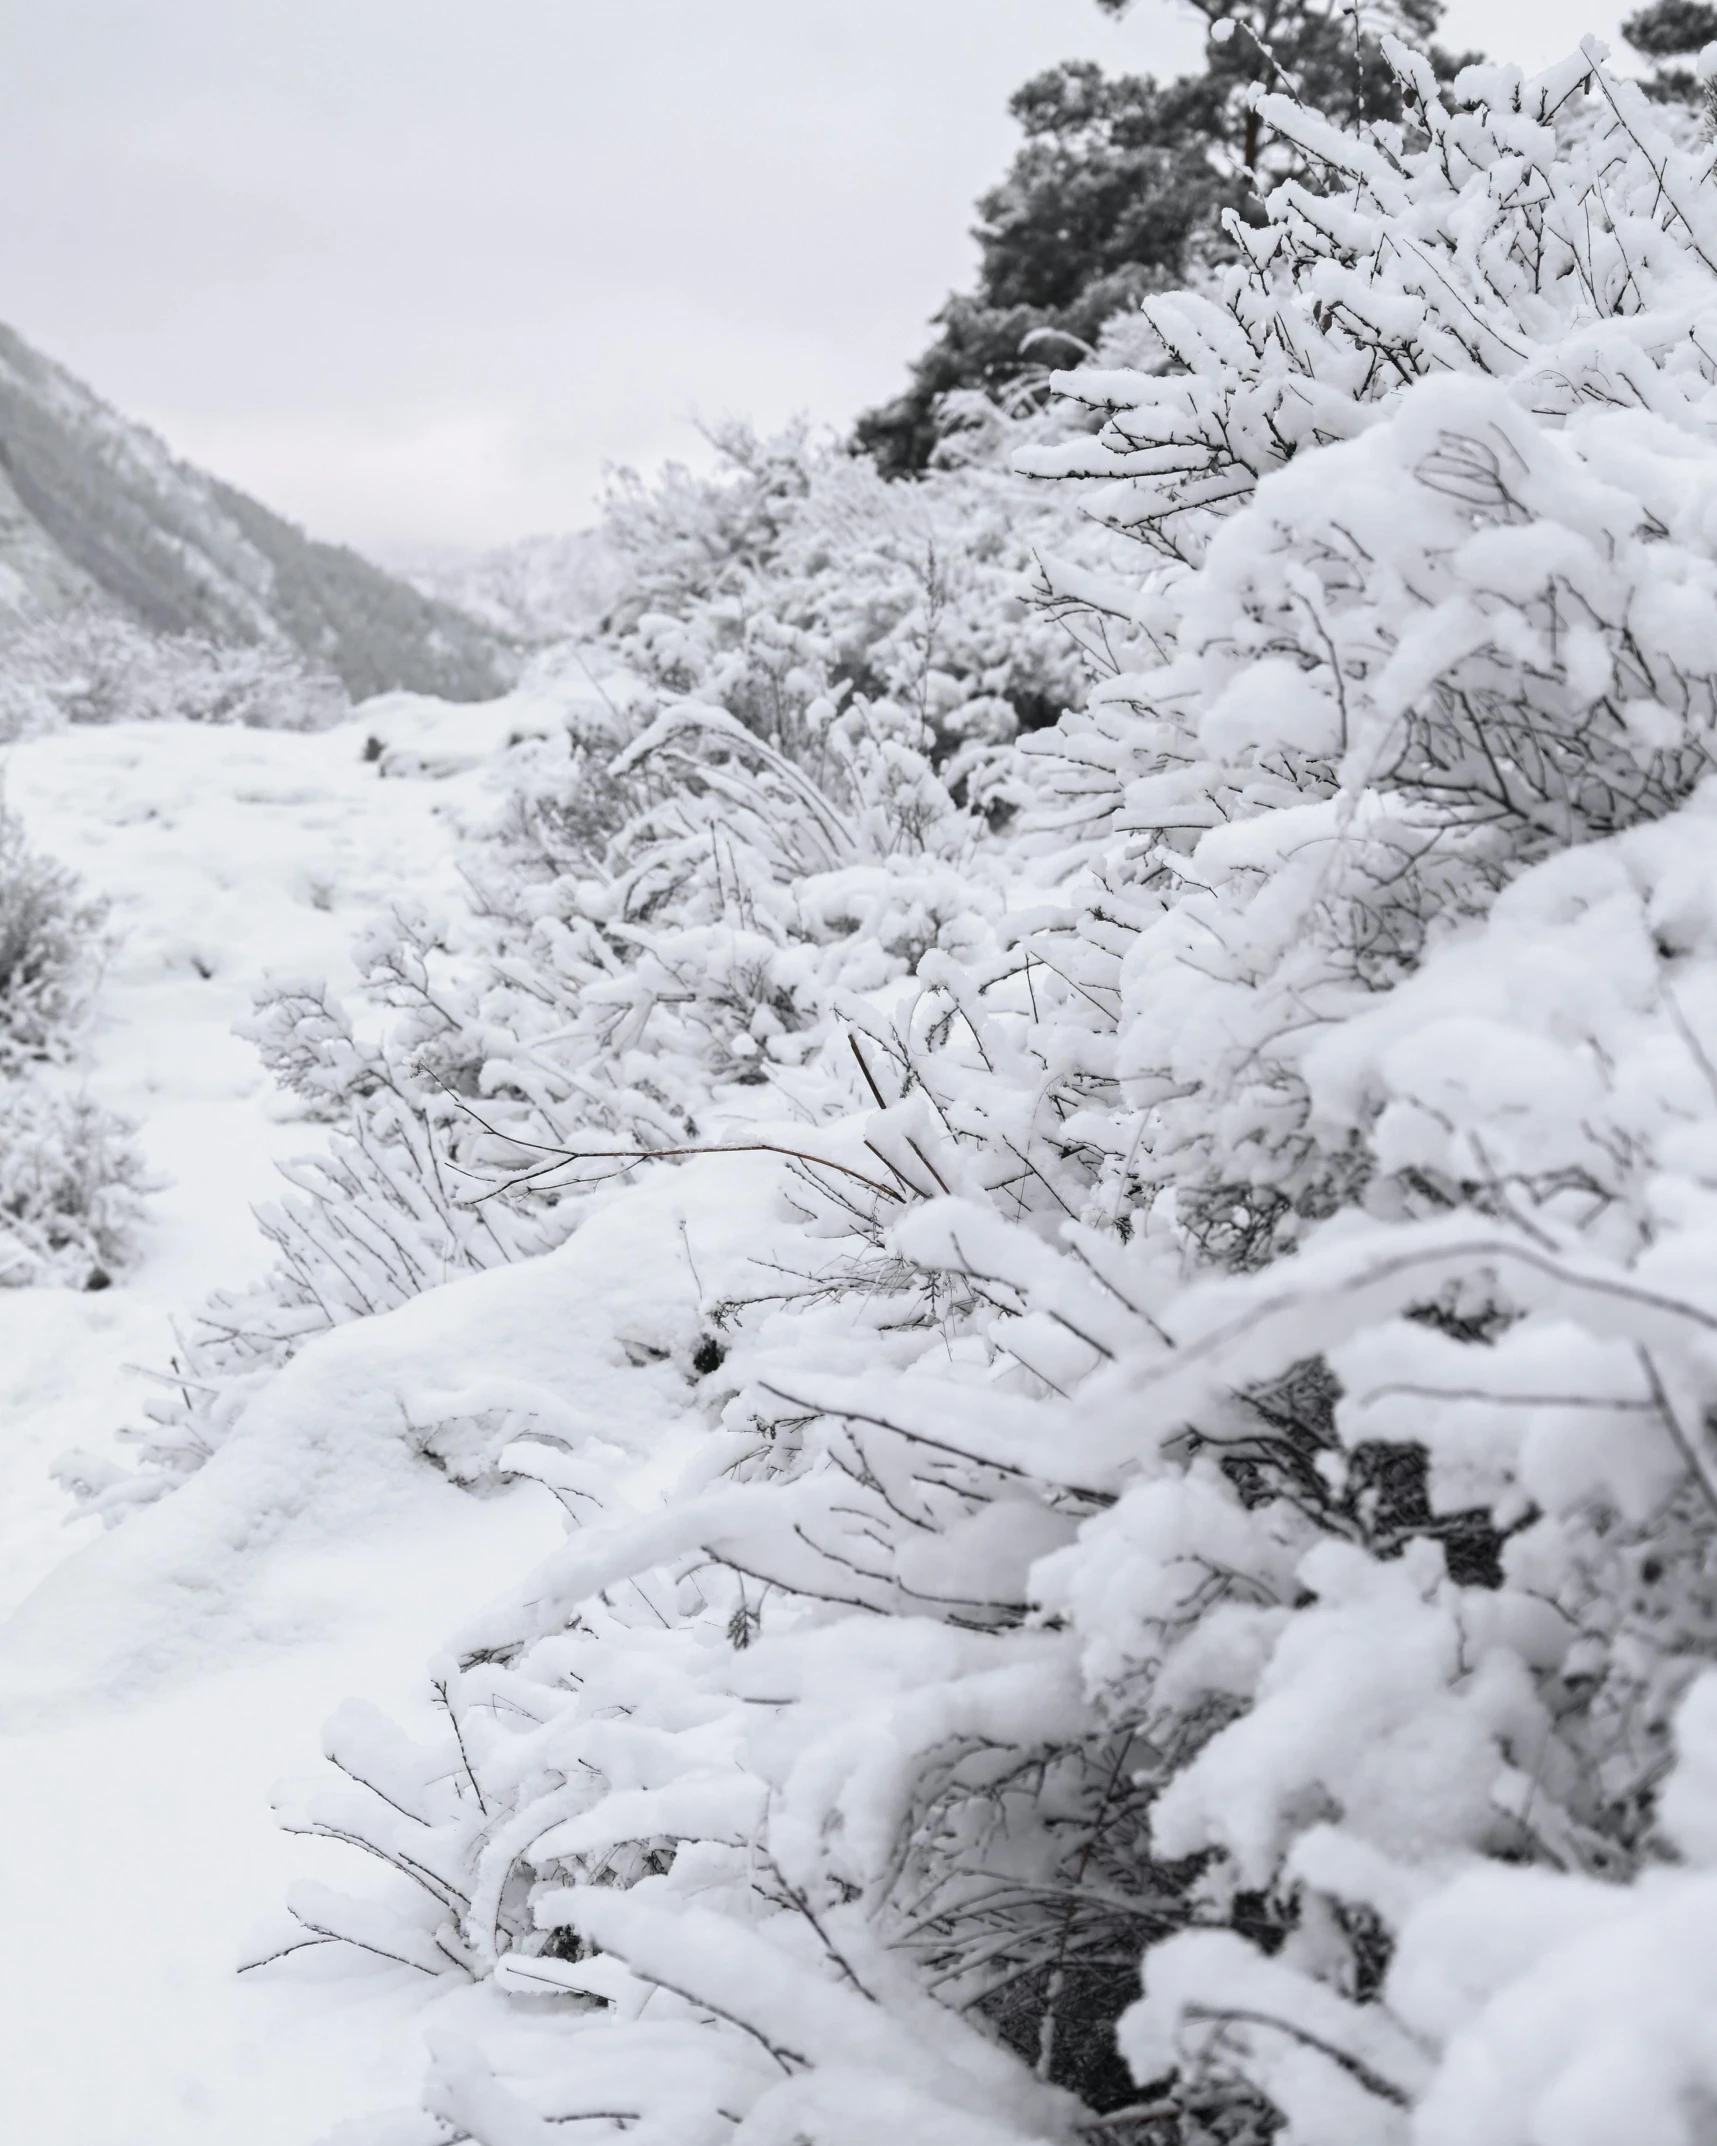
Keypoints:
pixel 1123 185
pixel 1142 1560
pixel 797 558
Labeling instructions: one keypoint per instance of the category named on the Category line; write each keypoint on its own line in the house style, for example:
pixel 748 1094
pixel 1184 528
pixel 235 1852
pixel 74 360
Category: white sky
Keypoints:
pixel 414 271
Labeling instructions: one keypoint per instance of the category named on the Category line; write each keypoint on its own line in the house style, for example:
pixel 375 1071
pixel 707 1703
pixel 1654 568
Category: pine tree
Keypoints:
pixel 1120 189
pixel 1667 31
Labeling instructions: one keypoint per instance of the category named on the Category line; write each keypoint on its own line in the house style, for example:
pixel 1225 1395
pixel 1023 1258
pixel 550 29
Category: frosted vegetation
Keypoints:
pixel 70 1180
pixel 93 666
pixel 1074 1120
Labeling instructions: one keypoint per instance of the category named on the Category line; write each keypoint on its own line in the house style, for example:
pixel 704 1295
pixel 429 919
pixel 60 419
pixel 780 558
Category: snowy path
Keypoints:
pixel 226 854
pixel 139 1848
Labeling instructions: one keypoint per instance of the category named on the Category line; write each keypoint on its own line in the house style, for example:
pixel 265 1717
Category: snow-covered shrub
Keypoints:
pixel 661 932
pixel 95 667
pixel 1418 632
pixel 797 567
pixel 71 1188
pixel 1199 1457
pixel 779 805
pixel 70 1181
pixel 51 942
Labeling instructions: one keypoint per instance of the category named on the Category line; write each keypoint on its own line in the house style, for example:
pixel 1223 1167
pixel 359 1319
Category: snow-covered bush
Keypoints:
pixel 70 1181
pixel 51 942
pixel 662 932
pixel 1182 1447
pixel 797 567
pixel 95 667
pixel 806 708
pixel 71 1188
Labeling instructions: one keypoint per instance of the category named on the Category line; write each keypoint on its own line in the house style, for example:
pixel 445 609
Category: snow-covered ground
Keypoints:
pixel 139 1844
pixel 226 854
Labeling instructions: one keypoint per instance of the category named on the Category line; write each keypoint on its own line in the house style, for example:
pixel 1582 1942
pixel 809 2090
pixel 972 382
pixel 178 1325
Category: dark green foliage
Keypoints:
pixel 1102 186
pixel 1671 30
pixel 1120 188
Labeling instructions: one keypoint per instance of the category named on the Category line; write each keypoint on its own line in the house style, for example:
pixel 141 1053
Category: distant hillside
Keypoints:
pixel 544 588
pixel 94 509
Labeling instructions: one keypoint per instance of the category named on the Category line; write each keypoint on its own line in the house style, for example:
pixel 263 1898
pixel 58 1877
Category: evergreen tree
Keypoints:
pixel 1667 31
pixel 1120 188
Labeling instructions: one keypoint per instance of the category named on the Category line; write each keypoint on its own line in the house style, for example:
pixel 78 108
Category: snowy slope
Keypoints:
pixel 543 588
pixel 94 509
pixel 225 853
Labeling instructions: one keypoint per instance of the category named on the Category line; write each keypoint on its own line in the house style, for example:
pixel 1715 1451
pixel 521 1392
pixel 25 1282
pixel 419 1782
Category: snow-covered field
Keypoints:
pixel 140 1848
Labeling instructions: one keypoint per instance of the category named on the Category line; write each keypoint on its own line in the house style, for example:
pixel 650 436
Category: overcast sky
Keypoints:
pixel 414 271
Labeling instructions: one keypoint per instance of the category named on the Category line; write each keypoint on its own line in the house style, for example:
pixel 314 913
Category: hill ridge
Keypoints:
pixel 96 510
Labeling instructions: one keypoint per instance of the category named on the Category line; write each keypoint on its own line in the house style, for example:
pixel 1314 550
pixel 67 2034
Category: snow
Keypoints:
pixel 226 854
pixel 139 1844
pixel 142 1852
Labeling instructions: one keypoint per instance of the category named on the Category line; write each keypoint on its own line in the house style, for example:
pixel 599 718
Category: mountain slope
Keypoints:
pixel 543 588
pixel 94 509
